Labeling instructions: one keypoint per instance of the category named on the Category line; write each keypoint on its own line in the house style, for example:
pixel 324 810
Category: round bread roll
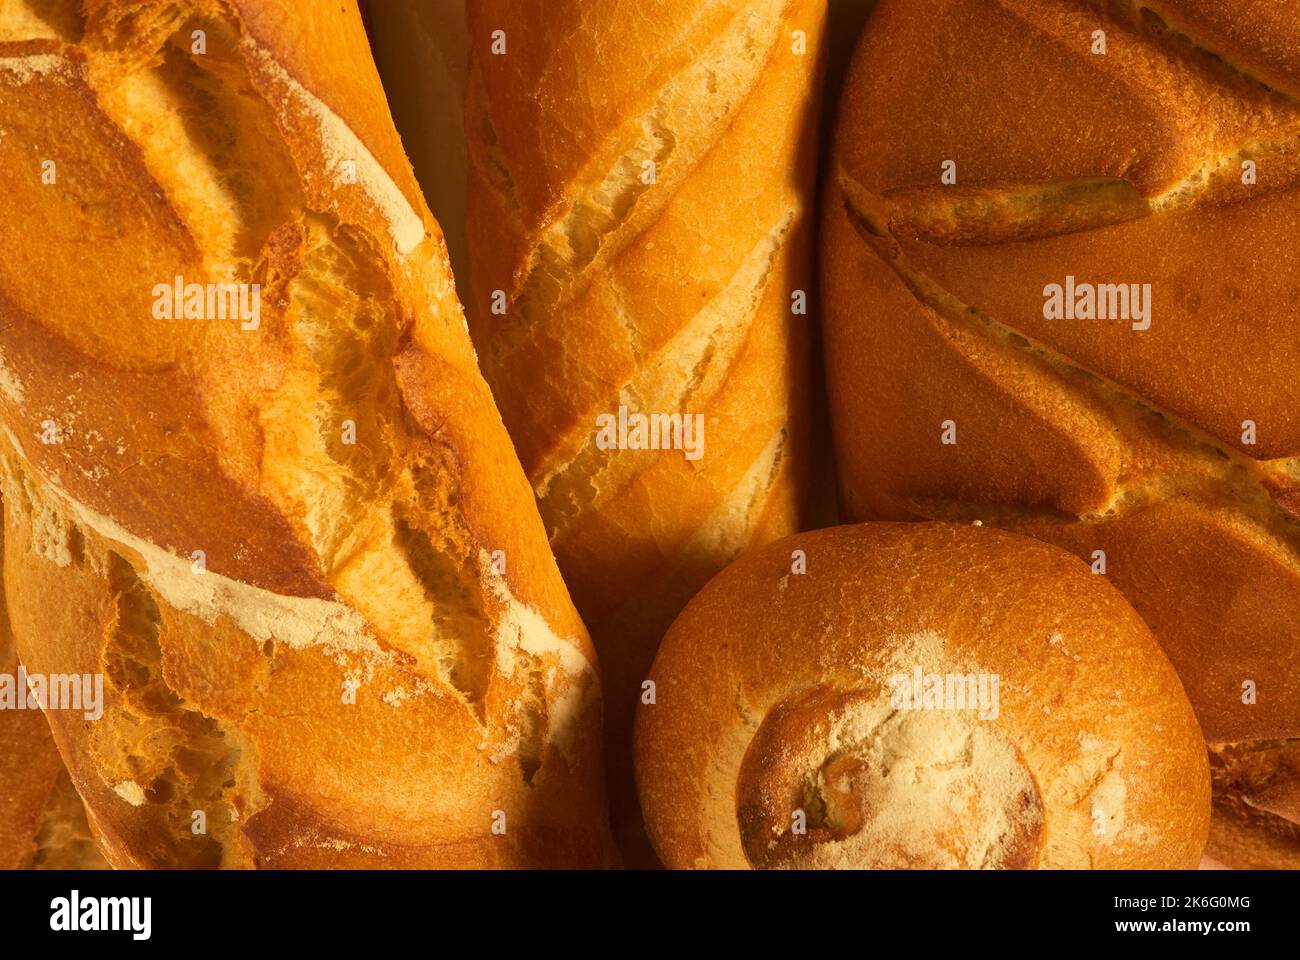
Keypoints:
pixel 918 696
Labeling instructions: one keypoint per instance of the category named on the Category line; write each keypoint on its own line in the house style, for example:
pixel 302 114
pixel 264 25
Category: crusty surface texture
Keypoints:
pixel 42 821
pixel 1128 447
pixel 1256 822
pixel 669 294
pixel 777 695
pixel 343 654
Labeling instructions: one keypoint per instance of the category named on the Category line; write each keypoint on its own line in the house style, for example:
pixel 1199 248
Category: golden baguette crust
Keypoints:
pixel 42 822
pixel 666 290
pixel 29 765
pixel 1119 168
pixel 777 691
pixel 238 568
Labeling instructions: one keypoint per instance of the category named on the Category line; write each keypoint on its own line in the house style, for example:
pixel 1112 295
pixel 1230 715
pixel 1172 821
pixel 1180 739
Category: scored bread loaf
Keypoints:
pixel 1113 143
pixel 42 821
pixel 296 542
pixel 918 696
pixel 1142 162
pixel 640 194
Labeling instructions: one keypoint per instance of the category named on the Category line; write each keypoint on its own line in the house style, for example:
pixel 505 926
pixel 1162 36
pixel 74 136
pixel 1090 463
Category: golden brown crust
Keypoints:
pixel 1125 167
pixel 1256 37
pixel 665 294
pixel 42 820
pixel 777 692
pixel 29 764
pixel 246 142
pixel 1256 818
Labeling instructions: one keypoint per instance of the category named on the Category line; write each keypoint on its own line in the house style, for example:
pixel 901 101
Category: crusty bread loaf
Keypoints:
pixel 42 821
pixel 918 695
pixel 640 188
pixel 1167 448
pixel 301 549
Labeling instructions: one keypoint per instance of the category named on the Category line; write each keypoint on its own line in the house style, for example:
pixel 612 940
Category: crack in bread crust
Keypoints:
pixel 1160 20
pixel 605 216
pixel 1012 212
pixel 705 349
pixel 316 558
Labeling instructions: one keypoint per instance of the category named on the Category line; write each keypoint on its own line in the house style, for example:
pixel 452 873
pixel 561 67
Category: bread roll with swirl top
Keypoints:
pixel 1047 729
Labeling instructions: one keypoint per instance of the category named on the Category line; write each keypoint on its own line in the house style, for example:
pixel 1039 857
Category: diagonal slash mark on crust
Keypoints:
pixel 1165 28
pixel 703 352
pixel 494 165
pixel 1174 39
pixel 863 211
pixel 338 142
pixel 719 537
pixel 609 215
pixel 1015 211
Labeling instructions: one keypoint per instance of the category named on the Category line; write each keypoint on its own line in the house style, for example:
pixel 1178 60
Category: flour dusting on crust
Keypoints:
pixel 339 144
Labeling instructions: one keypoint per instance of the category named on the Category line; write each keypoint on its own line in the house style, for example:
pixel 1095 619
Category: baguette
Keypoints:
pixel 908 696
pixel 297 543
pixel 640 193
